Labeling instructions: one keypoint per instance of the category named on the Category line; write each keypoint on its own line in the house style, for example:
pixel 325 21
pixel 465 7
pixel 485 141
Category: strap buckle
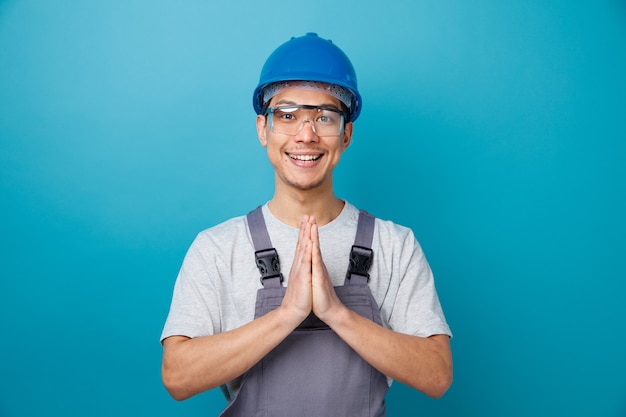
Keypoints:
pixel 268 264
pixel 360 261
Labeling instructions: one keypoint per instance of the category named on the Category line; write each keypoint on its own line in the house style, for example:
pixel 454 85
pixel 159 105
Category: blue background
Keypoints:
pixel 496 130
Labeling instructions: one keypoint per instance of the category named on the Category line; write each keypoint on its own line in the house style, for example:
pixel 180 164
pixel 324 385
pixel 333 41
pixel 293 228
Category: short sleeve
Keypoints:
pixel 193 311
pixel 417 310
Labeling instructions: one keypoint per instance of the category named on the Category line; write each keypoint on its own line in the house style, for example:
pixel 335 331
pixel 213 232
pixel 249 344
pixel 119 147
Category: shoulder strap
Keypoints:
pixel 265 254
pixel 361 255
pixel 267 261
pixel 365 230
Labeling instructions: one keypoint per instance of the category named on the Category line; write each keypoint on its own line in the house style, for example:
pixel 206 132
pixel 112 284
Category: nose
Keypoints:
pixel 307 131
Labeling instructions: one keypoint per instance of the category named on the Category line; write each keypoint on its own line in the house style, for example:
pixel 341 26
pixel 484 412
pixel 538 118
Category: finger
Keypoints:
pixel 315 237
pixel 302 258
pixel 302 233
pixel 302 238
pixel 317 262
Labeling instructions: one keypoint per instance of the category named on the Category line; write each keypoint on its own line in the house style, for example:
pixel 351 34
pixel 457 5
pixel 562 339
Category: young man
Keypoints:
pixel 345 304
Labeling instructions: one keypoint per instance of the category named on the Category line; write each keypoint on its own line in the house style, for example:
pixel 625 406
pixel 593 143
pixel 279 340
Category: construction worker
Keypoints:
pixel 306 306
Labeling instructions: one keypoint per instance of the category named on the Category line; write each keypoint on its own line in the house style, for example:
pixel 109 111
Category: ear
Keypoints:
pixel 347 135
pixel 261 129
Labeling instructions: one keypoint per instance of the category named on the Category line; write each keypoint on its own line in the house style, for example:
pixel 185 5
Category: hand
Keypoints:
pixel 298 296
pixel 325 298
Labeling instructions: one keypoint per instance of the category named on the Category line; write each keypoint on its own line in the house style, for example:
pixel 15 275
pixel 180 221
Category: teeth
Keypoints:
pixel 305 157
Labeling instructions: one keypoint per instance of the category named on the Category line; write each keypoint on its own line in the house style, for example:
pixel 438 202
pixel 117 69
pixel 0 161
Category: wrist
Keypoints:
pixel 291 316
pixel 335 316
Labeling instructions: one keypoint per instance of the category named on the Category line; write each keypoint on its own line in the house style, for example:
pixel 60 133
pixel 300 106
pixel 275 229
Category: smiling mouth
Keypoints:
pixel 306 158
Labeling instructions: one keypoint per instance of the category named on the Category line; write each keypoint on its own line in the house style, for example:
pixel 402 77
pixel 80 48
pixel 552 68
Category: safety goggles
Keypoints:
pixel 289 120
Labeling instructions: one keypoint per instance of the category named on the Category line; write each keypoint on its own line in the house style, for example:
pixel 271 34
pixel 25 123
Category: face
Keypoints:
pixel 303 161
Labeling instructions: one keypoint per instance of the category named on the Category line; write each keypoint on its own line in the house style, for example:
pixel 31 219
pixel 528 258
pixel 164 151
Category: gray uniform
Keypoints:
pixel 217 285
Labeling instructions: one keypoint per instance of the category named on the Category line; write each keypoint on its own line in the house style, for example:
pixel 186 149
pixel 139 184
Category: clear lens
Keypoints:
pixel 289 120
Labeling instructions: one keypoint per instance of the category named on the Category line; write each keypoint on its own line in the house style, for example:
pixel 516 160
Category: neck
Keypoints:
pixel 291 207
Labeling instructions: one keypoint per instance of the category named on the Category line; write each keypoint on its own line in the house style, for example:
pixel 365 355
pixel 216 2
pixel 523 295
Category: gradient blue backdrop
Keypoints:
pixel 494 129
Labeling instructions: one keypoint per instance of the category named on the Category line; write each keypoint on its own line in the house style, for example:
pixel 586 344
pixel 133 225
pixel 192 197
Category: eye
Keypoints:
pixel 327 117
pixel 284 116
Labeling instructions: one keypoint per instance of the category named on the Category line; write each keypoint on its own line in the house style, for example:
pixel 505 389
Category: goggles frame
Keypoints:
pixel 292 108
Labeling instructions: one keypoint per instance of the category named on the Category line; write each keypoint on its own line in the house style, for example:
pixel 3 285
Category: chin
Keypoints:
pixel 305 186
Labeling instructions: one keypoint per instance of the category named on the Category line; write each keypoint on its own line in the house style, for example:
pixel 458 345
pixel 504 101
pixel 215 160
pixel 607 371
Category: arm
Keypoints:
pixel 191 366
pixel 422 363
